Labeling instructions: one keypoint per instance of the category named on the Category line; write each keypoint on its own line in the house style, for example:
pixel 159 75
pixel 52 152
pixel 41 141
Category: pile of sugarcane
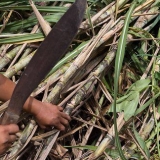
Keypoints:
pixel 108 81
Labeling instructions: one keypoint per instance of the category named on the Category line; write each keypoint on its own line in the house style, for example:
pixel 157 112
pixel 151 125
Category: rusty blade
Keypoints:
pixel 50 51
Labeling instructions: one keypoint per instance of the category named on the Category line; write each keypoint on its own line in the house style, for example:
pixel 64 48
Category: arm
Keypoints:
pixel 45 113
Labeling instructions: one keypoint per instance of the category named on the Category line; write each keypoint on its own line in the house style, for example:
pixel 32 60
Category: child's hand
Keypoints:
pixel 7 136
pixel 45 113
pixel 52 115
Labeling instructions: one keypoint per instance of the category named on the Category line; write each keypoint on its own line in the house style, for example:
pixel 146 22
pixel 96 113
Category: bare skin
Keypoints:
pixel 46 114
pixel 8 136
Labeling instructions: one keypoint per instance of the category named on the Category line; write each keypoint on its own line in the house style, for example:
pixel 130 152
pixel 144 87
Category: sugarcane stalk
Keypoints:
pixel 144 5
pixel 103 14
pixel 143 20
pixel 145 132
pixel 79 96
pixel 129 151
pixel 81 74
pixel 51 79
pixel 108 138
pixel 76 100
pixel 129 36
pixel 98 149
pixel 117 26
pixel 150 140
pixel 55 76
pixel 6 21
pixel 22 141
pixel 26 53
pixel 44 24
pixel 35 28
pixel 90 129
pixel 3 49
pixel 27 130
pixel 85 139
pixel 18 54
pixel 79 61
pixel 9 56
pixel 18 66
pixel 83 93
pixel 69 56
pixel 21 64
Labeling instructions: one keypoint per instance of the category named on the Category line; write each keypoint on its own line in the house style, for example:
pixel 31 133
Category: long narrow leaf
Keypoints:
pixel 118 66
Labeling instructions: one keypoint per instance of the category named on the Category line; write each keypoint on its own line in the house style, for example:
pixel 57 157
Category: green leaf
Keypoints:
pixel 111 152
pixel 25 24
pixel 23 38
pixel 150 101
pixel 68 57
pixel 129 102
pixel 47 9
pixel 128 105
pixel 140 85
pixel 129 110
pixel 141 142
pixel 118 65
pixel 157 76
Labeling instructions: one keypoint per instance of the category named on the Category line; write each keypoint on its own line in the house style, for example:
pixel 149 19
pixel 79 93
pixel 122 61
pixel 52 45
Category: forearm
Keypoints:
pixel 46 114
pixel 6 90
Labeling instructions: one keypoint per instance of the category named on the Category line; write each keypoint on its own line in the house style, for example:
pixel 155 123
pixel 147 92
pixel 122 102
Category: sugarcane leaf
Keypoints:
pixel 25 24
pixel 128 105
pixel 139 32
pixel 35 37
pixel 157 3
pixel 129 110
pixel 111 152
pixel 155 22
pixel 46 0
pixel 140 2
pixel 123 98
pixel 129 102
pixel 138 64
pixel 90 147
pixel 68 57
pixel 150 101
pixel 140 85
pixel 141 142
pixel 88 10
pixel 118 66
pixel 157 75
pixel 47 9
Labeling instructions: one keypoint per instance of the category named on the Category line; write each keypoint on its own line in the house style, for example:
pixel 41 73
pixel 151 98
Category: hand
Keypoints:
pixel 7 136
pixel 52 115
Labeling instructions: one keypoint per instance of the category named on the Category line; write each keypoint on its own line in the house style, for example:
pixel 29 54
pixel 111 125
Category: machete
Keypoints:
pixel 48 54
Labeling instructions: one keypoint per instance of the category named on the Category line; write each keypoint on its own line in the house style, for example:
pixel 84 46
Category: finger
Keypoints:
pixel 61 127
pixel 64 122
pixel 12 128
pixel 60 108
pixel 12 138
pixel 42 126
pixel 64 115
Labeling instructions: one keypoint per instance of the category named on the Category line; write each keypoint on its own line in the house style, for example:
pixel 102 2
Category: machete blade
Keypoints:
pixel 48 54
